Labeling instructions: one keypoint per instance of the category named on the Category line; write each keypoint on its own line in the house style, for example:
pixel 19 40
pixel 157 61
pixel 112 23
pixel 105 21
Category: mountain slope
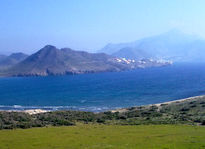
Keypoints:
pixel 173 45
pixel 2 57
pixel 12 59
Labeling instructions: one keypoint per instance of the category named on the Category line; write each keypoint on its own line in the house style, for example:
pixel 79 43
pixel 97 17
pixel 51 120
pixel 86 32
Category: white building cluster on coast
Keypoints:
pixel 143 61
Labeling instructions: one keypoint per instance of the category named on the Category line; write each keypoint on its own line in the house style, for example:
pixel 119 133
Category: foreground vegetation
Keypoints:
pixel 105 137
pixel 119 129
pixel 191 111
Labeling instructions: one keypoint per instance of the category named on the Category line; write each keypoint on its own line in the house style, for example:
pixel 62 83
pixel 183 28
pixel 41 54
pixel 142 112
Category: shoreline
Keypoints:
pixel 179 100
pixel 159 104
pixel 39 110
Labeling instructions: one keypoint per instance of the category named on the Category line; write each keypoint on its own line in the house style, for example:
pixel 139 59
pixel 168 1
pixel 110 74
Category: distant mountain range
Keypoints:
pixel 8 61
pixel 173 45
pixel 2 57
pixel 52 61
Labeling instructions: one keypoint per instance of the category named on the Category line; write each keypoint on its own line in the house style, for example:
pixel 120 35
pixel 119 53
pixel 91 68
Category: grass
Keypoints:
pixel 105 137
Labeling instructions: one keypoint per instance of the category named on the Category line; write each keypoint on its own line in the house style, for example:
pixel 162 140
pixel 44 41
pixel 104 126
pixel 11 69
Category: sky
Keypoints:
pixel 28 25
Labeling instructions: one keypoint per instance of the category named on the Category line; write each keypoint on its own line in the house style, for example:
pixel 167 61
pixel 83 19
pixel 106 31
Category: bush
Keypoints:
pixel 100 120
pixel 203 122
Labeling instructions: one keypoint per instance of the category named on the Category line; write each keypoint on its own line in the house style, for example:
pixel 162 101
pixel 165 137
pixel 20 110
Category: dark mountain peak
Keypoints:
pixel 49 47
pixel 47 50
pixel 18 55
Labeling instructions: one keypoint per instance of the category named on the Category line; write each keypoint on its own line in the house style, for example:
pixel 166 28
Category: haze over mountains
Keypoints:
pixel 147 52
pixel 173 45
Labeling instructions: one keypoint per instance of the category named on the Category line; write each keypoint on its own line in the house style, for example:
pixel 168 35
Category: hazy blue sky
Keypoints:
pixel 27 25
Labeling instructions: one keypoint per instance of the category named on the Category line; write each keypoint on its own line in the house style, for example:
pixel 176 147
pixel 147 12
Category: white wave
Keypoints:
pixel 55 108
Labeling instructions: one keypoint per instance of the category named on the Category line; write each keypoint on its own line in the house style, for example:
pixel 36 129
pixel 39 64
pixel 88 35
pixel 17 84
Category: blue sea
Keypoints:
pixel 103 91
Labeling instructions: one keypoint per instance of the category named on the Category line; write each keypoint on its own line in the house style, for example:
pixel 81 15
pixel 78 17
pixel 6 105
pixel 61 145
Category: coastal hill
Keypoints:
pixel 173 45
pixel 2 57
pixel 11 60
pixel 52 61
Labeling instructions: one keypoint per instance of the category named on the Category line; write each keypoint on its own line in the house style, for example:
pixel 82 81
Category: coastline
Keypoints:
pixel 162 103
pixel 180 100
pixel 39 110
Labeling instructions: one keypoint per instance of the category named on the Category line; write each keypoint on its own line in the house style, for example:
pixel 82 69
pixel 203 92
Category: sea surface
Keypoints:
pixel 103 91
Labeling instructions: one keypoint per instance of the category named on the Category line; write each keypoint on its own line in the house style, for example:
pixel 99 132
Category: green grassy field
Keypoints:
pixel 105 137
